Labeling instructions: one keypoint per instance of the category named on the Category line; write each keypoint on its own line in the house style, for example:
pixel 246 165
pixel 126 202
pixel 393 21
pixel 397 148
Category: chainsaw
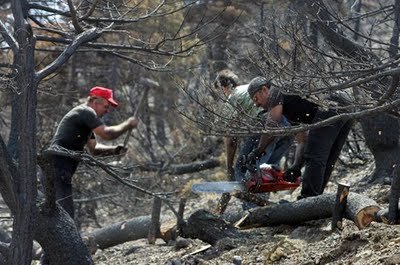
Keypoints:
pixel 265 178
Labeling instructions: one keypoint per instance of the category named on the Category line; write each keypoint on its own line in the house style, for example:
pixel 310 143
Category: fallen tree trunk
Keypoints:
pixel 118 233
pixel 360 209
pixel 208 227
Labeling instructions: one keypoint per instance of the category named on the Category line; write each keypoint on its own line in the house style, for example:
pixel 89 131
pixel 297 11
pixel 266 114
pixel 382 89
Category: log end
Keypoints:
pixel 365 216
pixel 168 230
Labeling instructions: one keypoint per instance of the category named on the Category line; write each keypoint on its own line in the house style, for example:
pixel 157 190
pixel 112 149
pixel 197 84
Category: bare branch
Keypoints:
pixel 7 35
pixel 85 36
pixel 90 11
pixel 74 17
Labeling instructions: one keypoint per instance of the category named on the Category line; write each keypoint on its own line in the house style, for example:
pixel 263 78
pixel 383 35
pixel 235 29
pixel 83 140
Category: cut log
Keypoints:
pixel 359 209
pixel 340 206
pixel 118 233
pixel 209 228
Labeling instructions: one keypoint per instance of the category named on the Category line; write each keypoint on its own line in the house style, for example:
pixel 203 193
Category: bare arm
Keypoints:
pixel 113 132
pixel 98 149
pixel 274 118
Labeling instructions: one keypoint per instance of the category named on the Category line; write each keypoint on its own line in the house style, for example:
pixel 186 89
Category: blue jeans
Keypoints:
pixel 273 152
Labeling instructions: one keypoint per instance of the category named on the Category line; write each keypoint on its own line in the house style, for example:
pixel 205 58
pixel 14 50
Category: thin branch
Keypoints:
pixel 90 11
pixel 74 17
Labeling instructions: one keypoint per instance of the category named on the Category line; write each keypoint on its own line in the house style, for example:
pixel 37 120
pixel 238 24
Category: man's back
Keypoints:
pixel 242 102
pixel 75 129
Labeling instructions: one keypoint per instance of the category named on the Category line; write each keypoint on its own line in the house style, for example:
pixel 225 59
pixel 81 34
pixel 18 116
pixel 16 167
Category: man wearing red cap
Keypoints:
pixel 76 131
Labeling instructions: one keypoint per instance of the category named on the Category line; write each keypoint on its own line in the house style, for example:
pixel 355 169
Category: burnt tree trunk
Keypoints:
pixel 118 233
pixel 22 143
pixel 381 133
pixel 359 209
pixel 57 234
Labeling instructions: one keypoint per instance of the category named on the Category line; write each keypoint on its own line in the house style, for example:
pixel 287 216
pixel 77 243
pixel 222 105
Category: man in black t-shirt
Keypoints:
pixel 323 145
pixel 76 131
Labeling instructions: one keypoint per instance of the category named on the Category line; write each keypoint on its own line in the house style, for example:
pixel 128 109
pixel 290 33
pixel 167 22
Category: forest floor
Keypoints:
pixel 306 244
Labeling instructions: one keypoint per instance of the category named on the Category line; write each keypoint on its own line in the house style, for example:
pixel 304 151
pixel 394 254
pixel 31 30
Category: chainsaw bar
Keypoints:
pixel 218 187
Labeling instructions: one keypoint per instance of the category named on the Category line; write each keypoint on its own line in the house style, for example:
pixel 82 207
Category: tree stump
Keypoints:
pixel 340 206
pixel 154 229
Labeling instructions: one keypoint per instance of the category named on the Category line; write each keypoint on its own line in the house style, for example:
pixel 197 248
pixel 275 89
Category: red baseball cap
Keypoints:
pixel 104 93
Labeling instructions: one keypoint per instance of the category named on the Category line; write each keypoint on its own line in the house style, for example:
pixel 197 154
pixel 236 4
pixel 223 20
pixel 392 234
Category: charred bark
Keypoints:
pixel 381 133
pixel 57 234
pixel 359 209
pixel 121 232
pixel 209 228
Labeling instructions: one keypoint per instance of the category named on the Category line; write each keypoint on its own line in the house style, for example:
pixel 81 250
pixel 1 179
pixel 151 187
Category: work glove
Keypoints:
pixel 120 149
pixel 252 157
pixel 248 162
pixel 231 173
pixel 292 174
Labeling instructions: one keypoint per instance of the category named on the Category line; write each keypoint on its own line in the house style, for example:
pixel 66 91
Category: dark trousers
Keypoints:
pixel 321 152
pixel 64 170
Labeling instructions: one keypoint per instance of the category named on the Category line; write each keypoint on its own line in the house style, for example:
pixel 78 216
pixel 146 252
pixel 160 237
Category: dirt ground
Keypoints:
pixel 308 243
pixel 305 244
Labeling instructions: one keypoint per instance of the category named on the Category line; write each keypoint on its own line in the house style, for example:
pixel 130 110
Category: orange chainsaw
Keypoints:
pixel 266 178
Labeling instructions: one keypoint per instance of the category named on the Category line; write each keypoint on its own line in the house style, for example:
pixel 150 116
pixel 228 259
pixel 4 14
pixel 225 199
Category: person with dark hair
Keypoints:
pixel 323 145
pixel 239 99
pixel 76 131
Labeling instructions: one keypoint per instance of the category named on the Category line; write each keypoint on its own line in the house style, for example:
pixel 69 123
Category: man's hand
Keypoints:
pixel 120 149
pixel 252 157
pixel 248 162
pixel 292 174
pixel 133 122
